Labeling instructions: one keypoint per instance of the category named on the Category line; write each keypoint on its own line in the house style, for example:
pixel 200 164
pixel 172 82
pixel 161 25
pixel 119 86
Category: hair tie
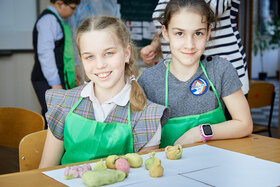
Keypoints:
pixel 132 78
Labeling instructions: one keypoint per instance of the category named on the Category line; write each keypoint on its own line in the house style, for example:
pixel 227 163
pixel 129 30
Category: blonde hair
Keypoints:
pixel 137 98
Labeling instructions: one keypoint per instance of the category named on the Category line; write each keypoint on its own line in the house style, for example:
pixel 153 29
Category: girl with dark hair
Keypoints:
pixel 196 88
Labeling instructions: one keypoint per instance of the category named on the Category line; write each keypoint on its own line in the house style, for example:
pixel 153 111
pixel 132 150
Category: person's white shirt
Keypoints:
pixel 101 111
pixel 48 34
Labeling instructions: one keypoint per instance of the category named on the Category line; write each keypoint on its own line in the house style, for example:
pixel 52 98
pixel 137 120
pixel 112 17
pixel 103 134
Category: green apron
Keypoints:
pixel 86 139
pixel 68 57
pixel 176 127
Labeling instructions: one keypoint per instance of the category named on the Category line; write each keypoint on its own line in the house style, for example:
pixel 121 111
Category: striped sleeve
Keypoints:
pixel 159 10
pixel 219 6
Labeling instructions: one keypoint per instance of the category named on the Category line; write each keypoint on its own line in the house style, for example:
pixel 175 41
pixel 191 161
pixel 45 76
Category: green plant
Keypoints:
pixel 261 43
pixel 275 38
pixel 266 41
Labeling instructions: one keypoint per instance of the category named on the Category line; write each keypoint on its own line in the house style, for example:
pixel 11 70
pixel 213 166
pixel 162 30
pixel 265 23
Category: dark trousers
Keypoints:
pixel 40 88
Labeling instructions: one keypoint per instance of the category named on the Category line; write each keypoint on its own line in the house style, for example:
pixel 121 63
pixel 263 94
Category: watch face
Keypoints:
pixel 207 130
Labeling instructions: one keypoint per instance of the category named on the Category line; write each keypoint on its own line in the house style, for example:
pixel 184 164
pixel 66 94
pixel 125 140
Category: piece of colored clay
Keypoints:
pixel 156 169
pixel 110 161
pixel 102 177
pixel 122 165
pixel 150 160
pixel 100 165
pixel 174 152
pixel 135 160
pixel 76 171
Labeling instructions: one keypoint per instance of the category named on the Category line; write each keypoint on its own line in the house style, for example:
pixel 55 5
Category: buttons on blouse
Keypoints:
pixel 209 58
pixel 202 57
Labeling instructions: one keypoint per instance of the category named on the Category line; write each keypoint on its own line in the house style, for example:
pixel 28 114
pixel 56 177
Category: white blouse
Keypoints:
pixel 101 111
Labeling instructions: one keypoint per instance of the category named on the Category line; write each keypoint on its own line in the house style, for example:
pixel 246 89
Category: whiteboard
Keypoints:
pixel 17 18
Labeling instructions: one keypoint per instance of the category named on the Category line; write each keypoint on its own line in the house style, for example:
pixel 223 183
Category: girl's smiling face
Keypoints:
pixel 104 59
pixel 187 34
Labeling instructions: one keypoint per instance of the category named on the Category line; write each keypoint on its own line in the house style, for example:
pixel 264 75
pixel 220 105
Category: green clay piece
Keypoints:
pixel 134 160
pixel 149 162
pixel 174 152
pixel 100 165
pixel 69 177
pixel 102 177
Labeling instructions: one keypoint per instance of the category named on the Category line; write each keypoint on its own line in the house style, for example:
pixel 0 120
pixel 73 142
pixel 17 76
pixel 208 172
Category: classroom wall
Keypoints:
pixel 15 78
pixel 271 61
pixel 15 85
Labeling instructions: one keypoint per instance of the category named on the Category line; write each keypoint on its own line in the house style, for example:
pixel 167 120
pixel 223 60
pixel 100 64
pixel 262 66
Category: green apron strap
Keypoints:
pixel 213 87
pixel 166 84
pixel 205 73
pixel 75 105
pixel 80 99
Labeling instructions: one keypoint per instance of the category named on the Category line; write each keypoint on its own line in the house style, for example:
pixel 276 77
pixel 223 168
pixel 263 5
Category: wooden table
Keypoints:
pixel 255 145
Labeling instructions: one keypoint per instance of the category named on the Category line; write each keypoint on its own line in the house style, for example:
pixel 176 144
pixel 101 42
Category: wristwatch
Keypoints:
pixel 206 132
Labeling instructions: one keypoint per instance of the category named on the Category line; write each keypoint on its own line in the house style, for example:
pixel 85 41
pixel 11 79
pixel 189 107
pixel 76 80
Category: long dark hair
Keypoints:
pixel 199 6
pixel 67 2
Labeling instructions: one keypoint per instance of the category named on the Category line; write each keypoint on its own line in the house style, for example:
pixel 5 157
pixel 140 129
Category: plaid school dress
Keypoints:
pixel 144 123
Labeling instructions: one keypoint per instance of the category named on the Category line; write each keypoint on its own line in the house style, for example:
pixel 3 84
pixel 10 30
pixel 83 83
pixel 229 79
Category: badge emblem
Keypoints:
pixel 199 86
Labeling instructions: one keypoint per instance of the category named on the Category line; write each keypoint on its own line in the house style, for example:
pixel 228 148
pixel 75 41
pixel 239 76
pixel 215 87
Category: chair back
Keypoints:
pixel 261 94
pixel 15 123
pixel 30 150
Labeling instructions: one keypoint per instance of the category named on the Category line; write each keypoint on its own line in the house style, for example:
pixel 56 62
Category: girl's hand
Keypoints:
pixel 191 136
pixel 148 54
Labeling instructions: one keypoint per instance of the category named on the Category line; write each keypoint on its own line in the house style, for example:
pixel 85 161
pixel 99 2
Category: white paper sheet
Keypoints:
pixel 201 165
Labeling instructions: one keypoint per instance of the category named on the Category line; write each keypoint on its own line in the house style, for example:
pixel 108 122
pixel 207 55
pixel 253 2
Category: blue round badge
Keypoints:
pixel 199 86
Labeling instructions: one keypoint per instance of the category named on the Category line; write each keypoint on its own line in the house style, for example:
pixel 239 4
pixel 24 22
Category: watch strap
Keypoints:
pixel 205 138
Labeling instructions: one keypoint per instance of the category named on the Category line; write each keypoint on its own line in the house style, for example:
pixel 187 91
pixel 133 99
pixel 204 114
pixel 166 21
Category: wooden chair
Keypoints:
pixel 261 94
pixel 15 123
pixel 30 150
